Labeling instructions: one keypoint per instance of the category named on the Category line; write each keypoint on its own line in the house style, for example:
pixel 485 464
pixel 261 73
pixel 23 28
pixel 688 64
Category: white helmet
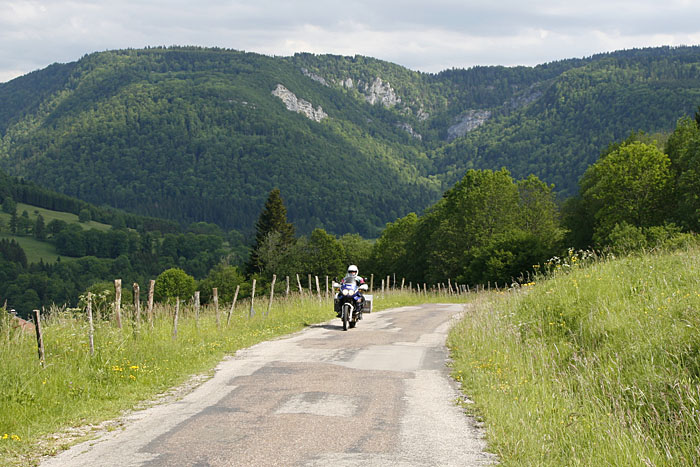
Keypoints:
pixel 352 270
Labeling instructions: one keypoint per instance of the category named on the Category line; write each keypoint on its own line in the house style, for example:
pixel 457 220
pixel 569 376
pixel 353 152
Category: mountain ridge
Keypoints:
pixel 195 134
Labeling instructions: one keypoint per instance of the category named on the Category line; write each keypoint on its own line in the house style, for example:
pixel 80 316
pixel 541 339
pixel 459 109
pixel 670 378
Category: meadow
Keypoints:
pixel 37 250
pixel 596 363
pixel 131 365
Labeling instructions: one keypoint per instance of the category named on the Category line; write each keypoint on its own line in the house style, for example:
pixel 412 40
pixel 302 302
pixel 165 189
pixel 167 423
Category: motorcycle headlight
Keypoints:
pixel 347 291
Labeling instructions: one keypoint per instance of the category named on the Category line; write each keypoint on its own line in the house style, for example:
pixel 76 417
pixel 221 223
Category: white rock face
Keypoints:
pixel 380 91
pixel 409 129
pixel 314 76
pixel 299 105
pixel 468 122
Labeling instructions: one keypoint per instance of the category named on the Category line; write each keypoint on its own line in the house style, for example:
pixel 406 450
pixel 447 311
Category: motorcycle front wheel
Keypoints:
pixel 346 317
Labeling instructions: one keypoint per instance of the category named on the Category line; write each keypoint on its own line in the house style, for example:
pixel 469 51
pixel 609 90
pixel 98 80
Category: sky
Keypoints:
pixel 425 35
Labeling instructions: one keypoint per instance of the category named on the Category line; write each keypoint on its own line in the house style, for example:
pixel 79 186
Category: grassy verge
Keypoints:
pixel 130 365
pixel 596 366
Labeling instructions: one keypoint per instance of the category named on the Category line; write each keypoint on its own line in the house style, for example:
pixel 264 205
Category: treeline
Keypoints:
pixel 573 118
pixel 196 135
pixel 192 134
pixel 488 227
pixel 92 256
pixel 639 192
pixel 18 190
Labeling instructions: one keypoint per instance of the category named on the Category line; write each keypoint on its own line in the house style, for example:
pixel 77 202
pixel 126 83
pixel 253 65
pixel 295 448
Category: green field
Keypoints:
pixel 37 250
pixel 49 215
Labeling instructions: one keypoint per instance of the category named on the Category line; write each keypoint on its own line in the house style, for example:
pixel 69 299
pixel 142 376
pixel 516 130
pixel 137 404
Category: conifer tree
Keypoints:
pixel 39 228
pixel 273 218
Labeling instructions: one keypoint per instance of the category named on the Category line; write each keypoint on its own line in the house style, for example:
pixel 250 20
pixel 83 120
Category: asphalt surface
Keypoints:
pixel 376 395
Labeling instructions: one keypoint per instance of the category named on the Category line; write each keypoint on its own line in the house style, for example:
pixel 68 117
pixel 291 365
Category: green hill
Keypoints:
pixel 194 134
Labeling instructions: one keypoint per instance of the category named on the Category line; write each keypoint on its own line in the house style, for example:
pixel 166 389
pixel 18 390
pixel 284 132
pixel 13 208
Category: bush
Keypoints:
pixel 174 283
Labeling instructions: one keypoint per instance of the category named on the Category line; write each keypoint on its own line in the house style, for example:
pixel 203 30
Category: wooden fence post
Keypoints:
pixel 272 294
pixel 371 283
pixel 137 303
pixel 311 287
pixel 403 281
pixel 196 307
pixel 388 283
pixel 118 302
pixel 91 329
pixel 233 304
pixel 251 313
pixel 151 287
pixel 39 336
pixel 215 294
pixel 318 289
pixel 382 287
pixel 177 313
pixel 326 286
pixel 286 293
pixel 301 291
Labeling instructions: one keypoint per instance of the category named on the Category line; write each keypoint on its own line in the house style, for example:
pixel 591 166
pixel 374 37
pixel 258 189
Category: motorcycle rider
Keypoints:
pixel 352 275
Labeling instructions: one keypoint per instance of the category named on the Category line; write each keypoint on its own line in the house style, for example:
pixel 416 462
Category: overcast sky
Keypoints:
pixel 425 35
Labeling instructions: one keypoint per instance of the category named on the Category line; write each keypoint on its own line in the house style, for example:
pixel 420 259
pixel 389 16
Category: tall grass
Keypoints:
pixel 597 365
pixel 130 364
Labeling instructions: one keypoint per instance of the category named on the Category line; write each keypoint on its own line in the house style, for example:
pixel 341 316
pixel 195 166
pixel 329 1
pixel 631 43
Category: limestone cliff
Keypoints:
pixel 467 122
pixel 301 106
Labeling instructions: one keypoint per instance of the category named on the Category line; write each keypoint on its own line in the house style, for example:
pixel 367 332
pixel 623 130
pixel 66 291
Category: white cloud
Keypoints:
pixel 428 36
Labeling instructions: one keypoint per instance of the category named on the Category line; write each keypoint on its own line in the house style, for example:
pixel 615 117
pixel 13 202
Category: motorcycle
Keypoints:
pixel 349 302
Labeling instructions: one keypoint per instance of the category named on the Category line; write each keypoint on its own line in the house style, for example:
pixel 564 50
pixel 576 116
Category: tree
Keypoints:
pixel 84 215
pixel 173 283
pixel 327 254
pixel 390 250
pixel 39 228
pixel 630 184
pixel 13 222
pixel 23 223
pixel 358 251
pixel 273 218
pixel 483 204
pixel 225 279
pixel 9 205
pixel 683 149
pixel 538 210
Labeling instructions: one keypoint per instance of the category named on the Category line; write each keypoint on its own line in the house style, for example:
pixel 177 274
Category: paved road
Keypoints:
pixel 376 395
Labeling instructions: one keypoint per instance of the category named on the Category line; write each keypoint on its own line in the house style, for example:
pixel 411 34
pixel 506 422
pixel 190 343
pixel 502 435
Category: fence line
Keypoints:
pixel 451 288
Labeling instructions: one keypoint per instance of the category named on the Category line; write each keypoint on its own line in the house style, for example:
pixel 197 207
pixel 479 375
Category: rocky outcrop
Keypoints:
pixel 523 99
pixel 314 76
pixel 301 106
pixel 467 122
pixel 380 92
pixel 409 129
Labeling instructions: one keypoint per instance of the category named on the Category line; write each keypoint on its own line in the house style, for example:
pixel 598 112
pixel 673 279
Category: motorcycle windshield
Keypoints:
pixel 349 279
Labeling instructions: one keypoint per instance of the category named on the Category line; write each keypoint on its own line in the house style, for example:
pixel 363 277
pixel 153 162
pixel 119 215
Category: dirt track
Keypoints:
pixel 378 394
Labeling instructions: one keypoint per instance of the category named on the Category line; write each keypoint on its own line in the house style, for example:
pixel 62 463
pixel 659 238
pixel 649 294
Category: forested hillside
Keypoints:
pixel 195 134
